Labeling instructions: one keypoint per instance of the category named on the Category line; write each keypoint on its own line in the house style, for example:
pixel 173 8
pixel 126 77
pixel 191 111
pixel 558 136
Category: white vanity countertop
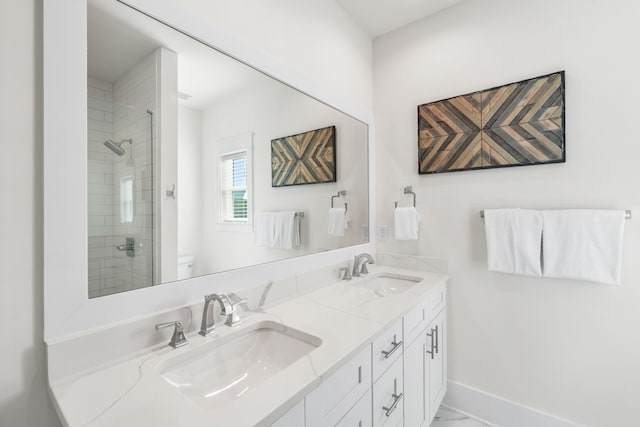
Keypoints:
pixel 131 392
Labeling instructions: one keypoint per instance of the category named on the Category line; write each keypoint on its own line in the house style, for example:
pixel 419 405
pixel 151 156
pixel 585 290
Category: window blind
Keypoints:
pixel 233 187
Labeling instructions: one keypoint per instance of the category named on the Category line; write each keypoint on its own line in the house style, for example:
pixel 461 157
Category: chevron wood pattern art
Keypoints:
pixel 512 125
pixel 305 158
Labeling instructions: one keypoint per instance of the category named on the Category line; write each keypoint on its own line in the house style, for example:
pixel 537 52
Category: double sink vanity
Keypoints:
pixel 315 347
pixel 361 351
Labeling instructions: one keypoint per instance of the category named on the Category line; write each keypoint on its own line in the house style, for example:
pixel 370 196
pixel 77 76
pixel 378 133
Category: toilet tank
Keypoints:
pixel 185 267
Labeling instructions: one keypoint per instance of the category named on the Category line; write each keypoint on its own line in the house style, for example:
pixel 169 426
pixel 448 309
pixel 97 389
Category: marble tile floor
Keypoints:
pixel 447 418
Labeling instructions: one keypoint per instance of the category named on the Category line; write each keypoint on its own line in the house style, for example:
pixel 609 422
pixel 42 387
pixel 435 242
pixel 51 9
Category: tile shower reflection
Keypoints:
pixel 120 167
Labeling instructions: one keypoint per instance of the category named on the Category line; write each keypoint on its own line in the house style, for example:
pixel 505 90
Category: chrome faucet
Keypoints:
pixel 228 308
pixel 360 264
pixel 208 325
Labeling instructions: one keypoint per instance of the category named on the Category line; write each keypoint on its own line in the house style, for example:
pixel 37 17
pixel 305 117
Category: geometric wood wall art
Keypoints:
pixel 305 158
pixel 512 125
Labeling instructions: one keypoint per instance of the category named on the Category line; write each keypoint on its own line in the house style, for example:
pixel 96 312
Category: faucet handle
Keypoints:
pixel 233 318
pixel 345 273
pixel 364 269
pixel 177 339
pixel 356 266
pixel 236 301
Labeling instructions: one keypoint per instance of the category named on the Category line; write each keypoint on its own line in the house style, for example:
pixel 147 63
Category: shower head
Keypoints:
pixel 116 147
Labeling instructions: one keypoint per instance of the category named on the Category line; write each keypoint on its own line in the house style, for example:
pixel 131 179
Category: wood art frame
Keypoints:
pixel 304 158
pixel 517 124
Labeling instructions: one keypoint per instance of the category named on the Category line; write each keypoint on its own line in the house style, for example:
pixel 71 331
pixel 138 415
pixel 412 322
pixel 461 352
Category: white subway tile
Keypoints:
pixel 94 114
pixel 100 126
pixel 99 104
pixel 95 93
pixel 99 84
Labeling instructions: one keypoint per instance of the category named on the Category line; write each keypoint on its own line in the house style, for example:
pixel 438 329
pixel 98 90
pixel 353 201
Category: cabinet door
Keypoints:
pixel 388 397
pixel 414 391
pixel 336 395
pixel 437 362
pixel 359 415
pixel 293 418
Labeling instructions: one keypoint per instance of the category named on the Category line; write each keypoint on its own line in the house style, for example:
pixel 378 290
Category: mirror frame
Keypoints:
pixel 68 311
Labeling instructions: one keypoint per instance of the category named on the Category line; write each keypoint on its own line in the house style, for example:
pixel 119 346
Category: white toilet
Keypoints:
pixel 185 267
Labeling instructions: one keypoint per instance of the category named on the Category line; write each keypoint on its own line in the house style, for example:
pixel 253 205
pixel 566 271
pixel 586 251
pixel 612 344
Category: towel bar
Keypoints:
pixel 409 190
pixel 627 214
pixel 340 193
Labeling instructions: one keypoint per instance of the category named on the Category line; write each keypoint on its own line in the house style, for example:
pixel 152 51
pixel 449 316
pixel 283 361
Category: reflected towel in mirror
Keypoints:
pixel 280 230
pixel 264 228
pixel 338 221
pixel 287 230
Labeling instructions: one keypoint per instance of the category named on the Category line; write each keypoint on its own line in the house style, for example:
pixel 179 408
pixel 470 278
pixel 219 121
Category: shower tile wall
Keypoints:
pixel 118 111
pixel 100 187
pixel 134 93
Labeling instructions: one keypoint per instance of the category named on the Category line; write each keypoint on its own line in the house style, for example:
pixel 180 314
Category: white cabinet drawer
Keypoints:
pixel 437 300
pixel 387 397
pixel 293 418
pixel 387 348
pixel 328 403
pixel 359 415
pixel 414 322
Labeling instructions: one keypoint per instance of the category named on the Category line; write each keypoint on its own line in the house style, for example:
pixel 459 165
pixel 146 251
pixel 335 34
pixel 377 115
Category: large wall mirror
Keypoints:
pixel 198 163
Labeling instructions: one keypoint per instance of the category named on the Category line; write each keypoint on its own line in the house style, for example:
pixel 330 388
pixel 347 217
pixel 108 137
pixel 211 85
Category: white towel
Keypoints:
pixel 407 223
pixel 583 244
pixel 513 241
pixel 287 230
pixel 264 228
pixel 338 221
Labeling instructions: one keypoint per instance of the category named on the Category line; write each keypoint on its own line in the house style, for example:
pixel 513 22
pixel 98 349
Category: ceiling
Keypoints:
pixel 118 38
pixel 378 17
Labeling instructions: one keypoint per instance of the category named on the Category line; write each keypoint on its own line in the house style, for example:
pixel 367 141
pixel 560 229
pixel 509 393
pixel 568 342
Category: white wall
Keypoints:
pixel 190 183
pixel 165 133
pixel 316 39
pixel 23 397
pixel 565 347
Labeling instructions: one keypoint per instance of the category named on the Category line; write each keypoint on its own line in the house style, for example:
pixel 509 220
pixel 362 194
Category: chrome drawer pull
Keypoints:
pixel 396 399
pixel 437 347
pixel 432 341
pixel 396 345
pixel 393 406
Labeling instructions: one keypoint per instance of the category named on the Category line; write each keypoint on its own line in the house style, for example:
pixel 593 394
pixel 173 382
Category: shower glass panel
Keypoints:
pixel 120 187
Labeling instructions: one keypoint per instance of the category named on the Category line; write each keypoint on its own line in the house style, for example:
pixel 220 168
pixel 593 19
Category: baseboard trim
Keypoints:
pixel 497 411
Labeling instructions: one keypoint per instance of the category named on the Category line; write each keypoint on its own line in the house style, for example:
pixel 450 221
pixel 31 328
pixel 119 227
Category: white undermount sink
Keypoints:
pixel 383 284
pixel 224 369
